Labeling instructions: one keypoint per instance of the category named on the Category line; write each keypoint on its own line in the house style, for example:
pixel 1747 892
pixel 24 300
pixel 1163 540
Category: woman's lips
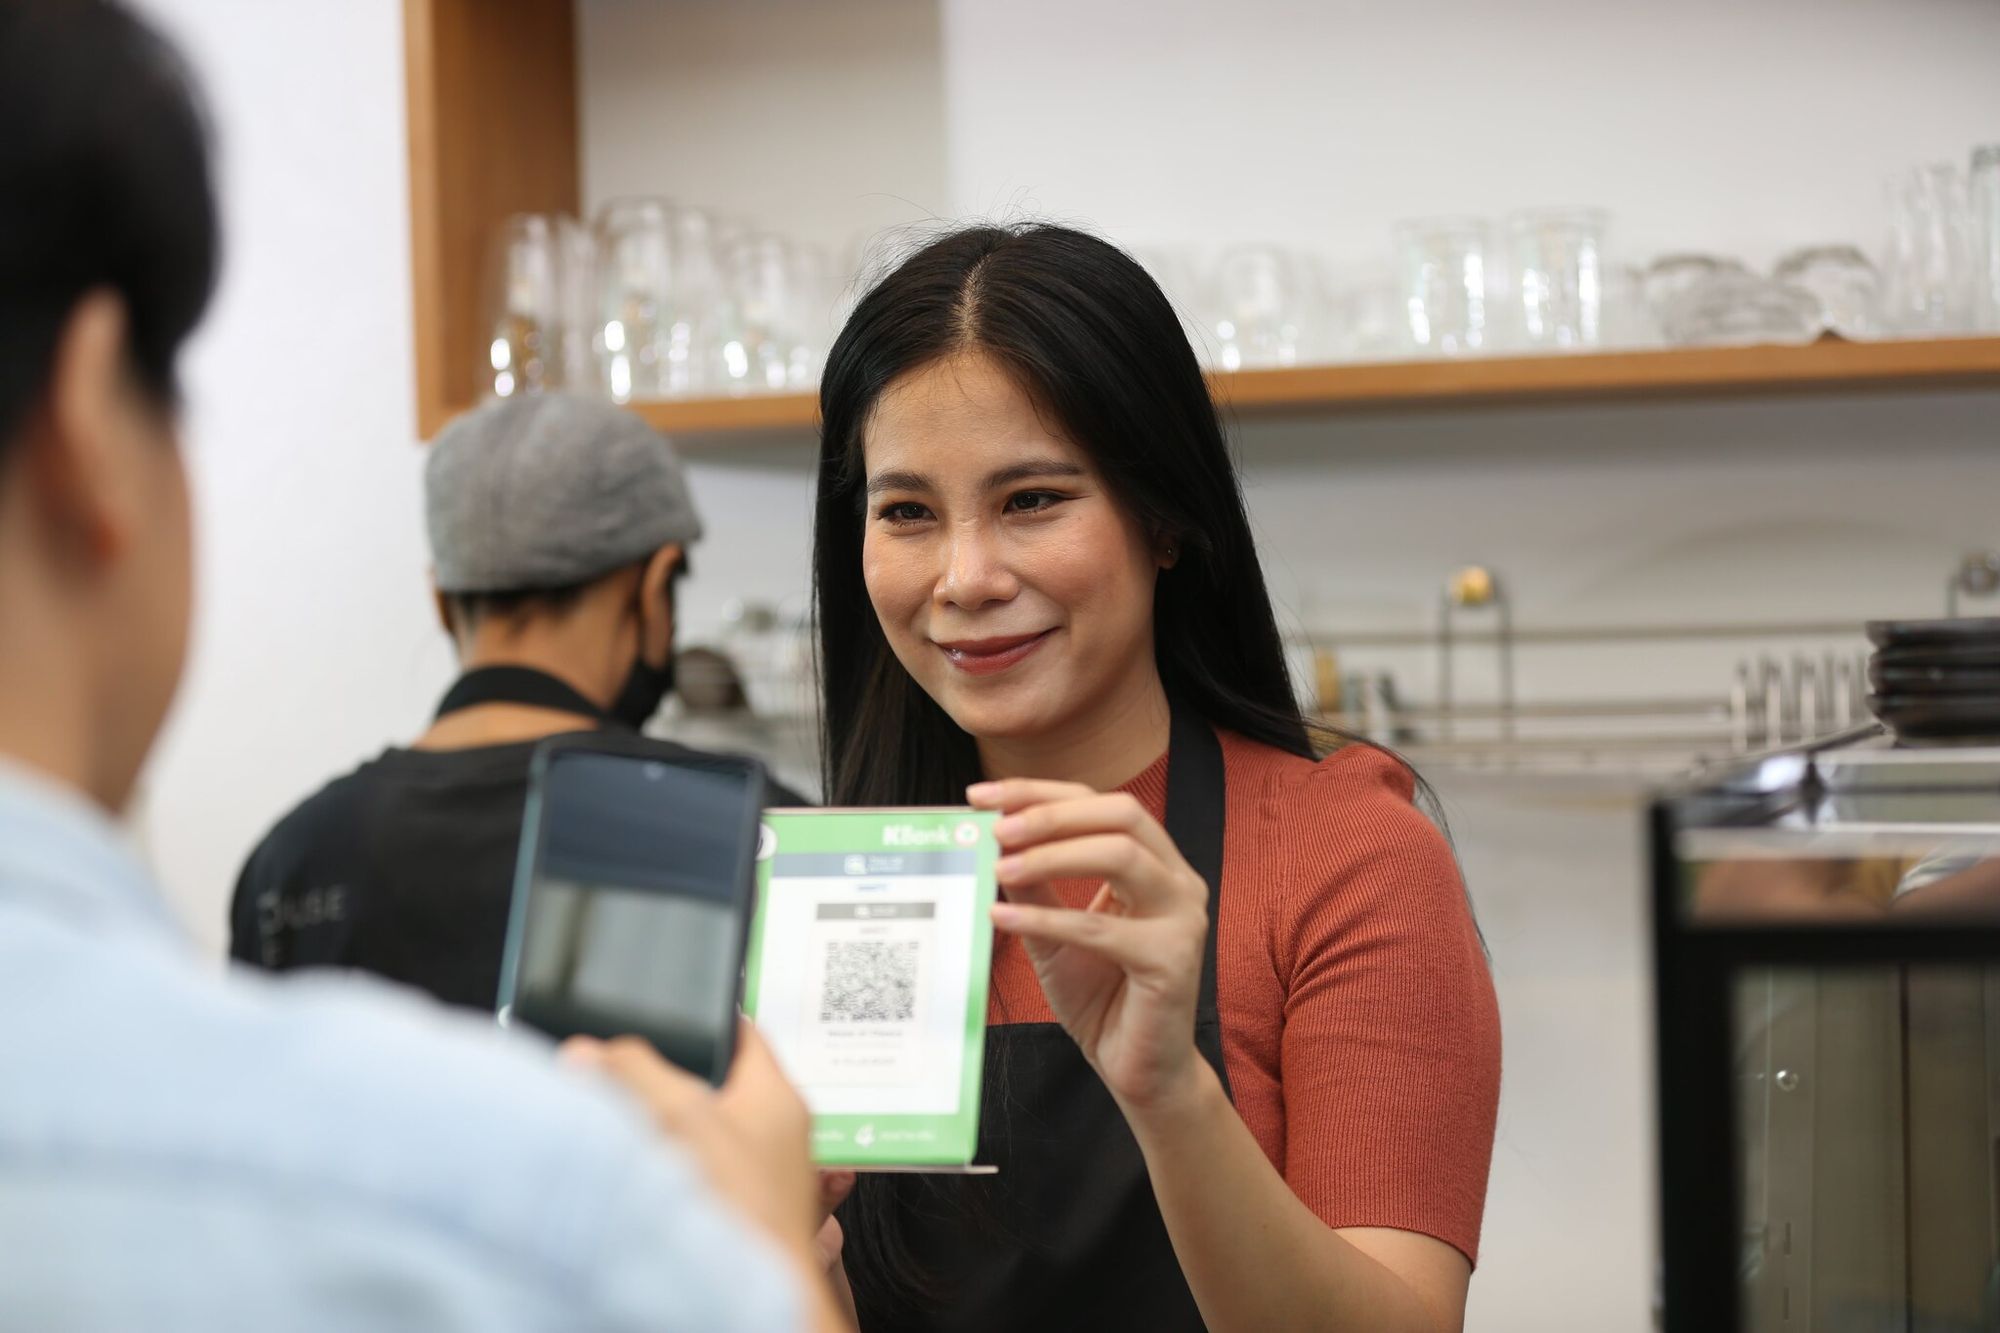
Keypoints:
pixel 984 657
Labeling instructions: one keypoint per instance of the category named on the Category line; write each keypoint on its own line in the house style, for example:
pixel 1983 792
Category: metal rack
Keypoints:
pixel 1779 695
pixel 1789 687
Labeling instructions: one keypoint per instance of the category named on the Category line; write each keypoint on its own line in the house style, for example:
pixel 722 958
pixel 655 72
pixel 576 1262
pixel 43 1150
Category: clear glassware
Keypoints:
pixel 522 350
pixel 1985 183
pixel 1367 308
pixel 1930 252
pixel 1847 287
pixel 1628 317
pixel 1174 271
pixel 758 357
pixel 1443 262
pixel 701 332
pixel 810 319
pixel 1671 276
pixel 1257 308
pixel 1740 308
pixel 632 319
pixel 577 279
pixel 1559 271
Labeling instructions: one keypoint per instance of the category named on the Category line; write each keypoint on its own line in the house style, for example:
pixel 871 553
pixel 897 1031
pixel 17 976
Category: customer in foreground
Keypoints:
pixel 185 1150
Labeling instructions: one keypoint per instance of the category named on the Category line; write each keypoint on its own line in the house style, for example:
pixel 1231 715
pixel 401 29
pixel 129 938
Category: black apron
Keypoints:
pixel 518 685
pixel 1068 1235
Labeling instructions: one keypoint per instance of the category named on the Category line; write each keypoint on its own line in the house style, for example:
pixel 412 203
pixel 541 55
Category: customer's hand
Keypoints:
pixel 1122 974
pixel 749 1136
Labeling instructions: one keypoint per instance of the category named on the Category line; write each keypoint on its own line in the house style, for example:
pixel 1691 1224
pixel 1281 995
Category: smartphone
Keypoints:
pixel 632 896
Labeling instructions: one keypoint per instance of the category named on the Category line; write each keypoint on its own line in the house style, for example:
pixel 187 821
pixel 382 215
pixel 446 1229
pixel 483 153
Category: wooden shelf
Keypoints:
pixel 1827 366
pixel 493 125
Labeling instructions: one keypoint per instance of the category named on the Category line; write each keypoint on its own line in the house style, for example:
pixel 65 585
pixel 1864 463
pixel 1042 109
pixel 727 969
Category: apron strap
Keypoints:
pixel 1195 813
pixel 517 685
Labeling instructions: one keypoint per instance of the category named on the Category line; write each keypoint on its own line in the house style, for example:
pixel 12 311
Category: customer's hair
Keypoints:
pixel 104 184
pixel 468 609
pixel 1089 336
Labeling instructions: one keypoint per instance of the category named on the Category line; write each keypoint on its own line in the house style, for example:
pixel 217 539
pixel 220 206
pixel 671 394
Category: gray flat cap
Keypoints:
pixel 548 490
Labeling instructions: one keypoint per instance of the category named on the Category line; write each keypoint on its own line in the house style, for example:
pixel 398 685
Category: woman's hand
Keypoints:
pixel 1122 974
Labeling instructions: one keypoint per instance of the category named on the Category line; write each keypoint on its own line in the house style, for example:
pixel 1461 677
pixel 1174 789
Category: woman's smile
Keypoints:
pixel 991 656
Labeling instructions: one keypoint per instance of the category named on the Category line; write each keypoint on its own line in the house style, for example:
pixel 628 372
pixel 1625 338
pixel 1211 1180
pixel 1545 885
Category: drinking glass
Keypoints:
pixel 702 332
pixel 1444 272
pixel 576 278
pixel 1986 234
pixel 1847 287
pixel 760 354
pixel 1930 252
pixel 809 319
pixel 1740 308
pixel 522 351
pixel 632 323
pixel 1174 271
pixel 1559 275
pixel 1257 308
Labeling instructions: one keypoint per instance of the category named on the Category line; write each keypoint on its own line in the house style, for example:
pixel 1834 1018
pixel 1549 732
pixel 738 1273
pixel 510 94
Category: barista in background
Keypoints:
pixel 559 528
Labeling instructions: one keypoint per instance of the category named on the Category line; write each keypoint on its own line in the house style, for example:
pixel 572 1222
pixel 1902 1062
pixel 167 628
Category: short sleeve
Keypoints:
pixel 1390 1057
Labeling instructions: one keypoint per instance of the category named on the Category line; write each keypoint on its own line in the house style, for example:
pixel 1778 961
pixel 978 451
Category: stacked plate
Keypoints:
pixel 1937 682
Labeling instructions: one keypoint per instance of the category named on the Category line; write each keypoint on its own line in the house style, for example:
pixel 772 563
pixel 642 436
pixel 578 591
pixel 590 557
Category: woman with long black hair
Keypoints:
pixel 1243 1058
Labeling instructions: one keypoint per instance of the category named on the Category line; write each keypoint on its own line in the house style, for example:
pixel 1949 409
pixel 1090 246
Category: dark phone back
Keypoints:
pixel 632 896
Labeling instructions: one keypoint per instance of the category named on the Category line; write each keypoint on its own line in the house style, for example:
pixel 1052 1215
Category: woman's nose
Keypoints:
pixel 975 570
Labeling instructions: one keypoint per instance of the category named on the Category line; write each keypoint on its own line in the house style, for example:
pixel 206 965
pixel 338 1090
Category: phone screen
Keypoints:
pixel 631 907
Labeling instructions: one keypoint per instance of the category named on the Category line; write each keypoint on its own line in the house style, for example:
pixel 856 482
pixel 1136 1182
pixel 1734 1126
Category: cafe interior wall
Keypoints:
pixel 1700 125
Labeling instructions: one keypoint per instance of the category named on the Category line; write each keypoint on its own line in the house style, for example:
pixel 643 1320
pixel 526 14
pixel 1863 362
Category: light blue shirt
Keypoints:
pixel 183 1149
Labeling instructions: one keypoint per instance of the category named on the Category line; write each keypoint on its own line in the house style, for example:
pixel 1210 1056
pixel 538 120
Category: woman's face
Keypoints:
pixel 1008 580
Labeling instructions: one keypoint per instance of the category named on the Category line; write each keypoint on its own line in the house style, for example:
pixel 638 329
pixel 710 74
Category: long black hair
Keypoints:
pixel 1089 336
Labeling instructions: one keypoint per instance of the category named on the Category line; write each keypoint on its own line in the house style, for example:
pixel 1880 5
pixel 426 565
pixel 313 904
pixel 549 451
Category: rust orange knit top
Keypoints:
pixel 1360 1030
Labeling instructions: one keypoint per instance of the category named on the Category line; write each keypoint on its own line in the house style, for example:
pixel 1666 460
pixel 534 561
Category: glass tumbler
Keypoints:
pixel 632 323
pixel 524 305
pixel 1559 276
pixel 1444 268
pixel 1986 235
pixel 1845 284
pixel 1256 308
pixel 1930 252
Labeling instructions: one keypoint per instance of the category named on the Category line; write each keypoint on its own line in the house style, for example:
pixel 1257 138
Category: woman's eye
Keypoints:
pixel 904 511
pixel 1032 502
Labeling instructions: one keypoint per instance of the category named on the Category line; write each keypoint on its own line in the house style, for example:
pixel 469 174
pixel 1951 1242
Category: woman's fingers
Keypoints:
pixel 1136 945
pixel 1007 794
pixel 1033 893
pixel 1110 812
pixel 1139 878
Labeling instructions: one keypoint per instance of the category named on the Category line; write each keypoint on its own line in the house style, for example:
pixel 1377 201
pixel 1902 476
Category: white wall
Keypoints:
pixel 1700 124
pixel 823 120
pixel 312 644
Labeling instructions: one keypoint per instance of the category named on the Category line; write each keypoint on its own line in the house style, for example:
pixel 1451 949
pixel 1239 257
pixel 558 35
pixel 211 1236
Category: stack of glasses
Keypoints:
pixel 654 301
pixel 657 300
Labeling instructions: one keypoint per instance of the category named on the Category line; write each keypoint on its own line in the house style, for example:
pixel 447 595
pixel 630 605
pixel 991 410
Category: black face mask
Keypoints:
pixel 640 697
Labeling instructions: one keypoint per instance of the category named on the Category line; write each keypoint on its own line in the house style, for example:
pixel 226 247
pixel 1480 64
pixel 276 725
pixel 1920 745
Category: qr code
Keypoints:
pixel 869 981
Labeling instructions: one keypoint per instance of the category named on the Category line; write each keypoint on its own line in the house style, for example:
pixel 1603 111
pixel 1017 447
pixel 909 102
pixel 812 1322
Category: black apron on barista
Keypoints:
pixel 1068 1235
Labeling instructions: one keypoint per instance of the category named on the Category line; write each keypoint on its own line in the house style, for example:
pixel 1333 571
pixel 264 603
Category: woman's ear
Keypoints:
pixel 656 605
pixel 1166 551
